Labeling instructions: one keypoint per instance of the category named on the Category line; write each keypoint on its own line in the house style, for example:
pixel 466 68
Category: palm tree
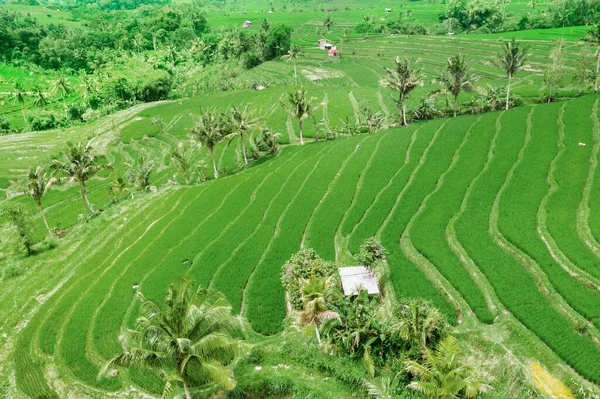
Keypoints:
pixel 457 77
pixel 267 142
pixel 61 85
pixel 182 159
pixel 300 107
pixel 19 95
pixel 592 37
pixel 241 123
pixel 292 55
pixel 40 98
pixel 328 23
pixel 442 374
pixel 209 130
pixel 368 20
pixel 195 328
pixel 345 32
pixel 316 293
pixel 404 78
pixel 380 387
pixel 417 321
pixel 88 86
pixel 140 172
pixel 160 122
pixel 511 60
pixel 80 166
pixel 36 185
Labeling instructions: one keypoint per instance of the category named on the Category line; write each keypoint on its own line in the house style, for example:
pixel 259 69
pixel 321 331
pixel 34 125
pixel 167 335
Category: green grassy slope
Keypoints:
pixel 484 187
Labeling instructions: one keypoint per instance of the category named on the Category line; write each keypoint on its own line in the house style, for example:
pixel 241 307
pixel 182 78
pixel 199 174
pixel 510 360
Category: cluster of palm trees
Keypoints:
pixel 79 166
pixel 457 77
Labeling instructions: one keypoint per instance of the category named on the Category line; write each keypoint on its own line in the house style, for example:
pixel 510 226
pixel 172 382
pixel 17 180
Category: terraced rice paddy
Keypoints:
pixel 483 215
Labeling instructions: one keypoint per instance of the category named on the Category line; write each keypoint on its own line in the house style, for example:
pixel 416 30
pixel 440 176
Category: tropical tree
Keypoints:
pixel 160 122
pixel 417 321
pixel 584 74
pixel 346 32
pixel 79 167
pixel 300 107
pixel 40 98
pixel 292 55
pixel 592 37
pixel 36 185
pixel 195 329
pixel 328 23
pixel 380 387
pixel 511 60
pixel 182 158
pixel 241 123
pixel 555 72
pixel 316 293
pixel 209 130
pixel 457 77
pixel 139 173
pixel 19 95
pixel 267 142
pixel 61 85
pixel 89 86
pixel 368 20
pixel 443 375
pixel 404 78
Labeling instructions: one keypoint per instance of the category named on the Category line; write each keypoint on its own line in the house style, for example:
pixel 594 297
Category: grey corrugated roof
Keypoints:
pixel 358 277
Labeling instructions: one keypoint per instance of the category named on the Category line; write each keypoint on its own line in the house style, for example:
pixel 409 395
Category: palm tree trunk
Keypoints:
pixel 295 73
pixel 318 334
pixel 65 105
pixel 244 149
pixel 212 155
pixel 404 123
pixel 508 90
pixel 86 200
pixel 39 203
pixel 188 395
pixel 597 71
pixel 300 126
pixel 23 113
pixel 455 104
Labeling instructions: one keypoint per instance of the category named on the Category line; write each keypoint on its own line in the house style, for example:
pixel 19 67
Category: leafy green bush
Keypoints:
pixel 303 265
pixel 370 252
pixel 44 120
pixel 11 270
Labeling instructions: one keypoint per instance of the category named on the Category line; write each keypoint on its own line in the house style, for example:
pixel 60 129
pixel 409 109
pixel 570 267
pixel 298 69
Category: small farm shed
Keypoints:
pixel 334 52
pixel 247 24
pixel 388 10
pixel 355 278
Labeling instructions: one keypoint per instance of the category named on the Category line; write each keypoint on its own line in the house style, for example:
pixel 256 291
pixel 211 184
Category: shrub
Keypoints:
pixel 371 251
pixel 4 125
pixel 304 264
pixel 16 235
pixel 44 120
pixel 76 111
pixel 11 271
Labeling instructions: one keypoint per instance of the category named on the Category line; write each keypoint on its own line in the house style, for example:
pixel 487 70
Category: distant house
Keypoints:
pixel 358 278
pixel 334 52
pixel 270 12
pixel 388 10
pixel 329 10
pixel 247 24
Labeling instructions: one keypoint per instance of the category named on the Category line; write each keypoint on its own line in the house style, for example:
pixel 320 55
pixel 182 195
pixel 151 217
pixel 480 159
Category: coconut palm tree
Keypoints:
pixel 241 123
pixel 194 328
pixel 61 85
pixel 36 185
pixel 592 37
pixel 40 98
pixel 209 130
pixel 442 374
pixel 328 23
pixel 294 52
pixel 80 166
pixel 368 20
pixel 417 321
pixel 316 293
pixel 89 86
pixel 182 159
pixel 300 107
pixel 19 95
pixel 139 173
pixel 404 78
pixel 457 77
pixel 511 60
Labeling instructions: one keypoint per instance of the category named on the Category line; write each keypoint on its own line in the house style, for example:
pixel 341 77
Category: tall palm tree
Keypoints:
pixel 40 98
pixel 182 158
pixel 442 374
pixel 36 185
pixel 139 173
pixel 19 95
pixel 417 321
pixel 368 20
pixel 61 85
pixel 346 32
pixel 300 107
pixel 241 123
pixel 316 293
pixel 592 37
pixel 328 23
pixel 89 86
pixel 195 328
pixel 80 166
pixel 511 60
pixel 457 77
pixel 209 130
pixel 294 52
pixel 404 78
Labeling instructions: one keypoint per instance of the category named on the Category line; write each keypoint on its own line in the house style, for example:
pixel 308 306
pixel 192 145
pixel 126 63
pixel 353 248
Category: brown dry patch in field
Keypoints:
pixel 549 384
